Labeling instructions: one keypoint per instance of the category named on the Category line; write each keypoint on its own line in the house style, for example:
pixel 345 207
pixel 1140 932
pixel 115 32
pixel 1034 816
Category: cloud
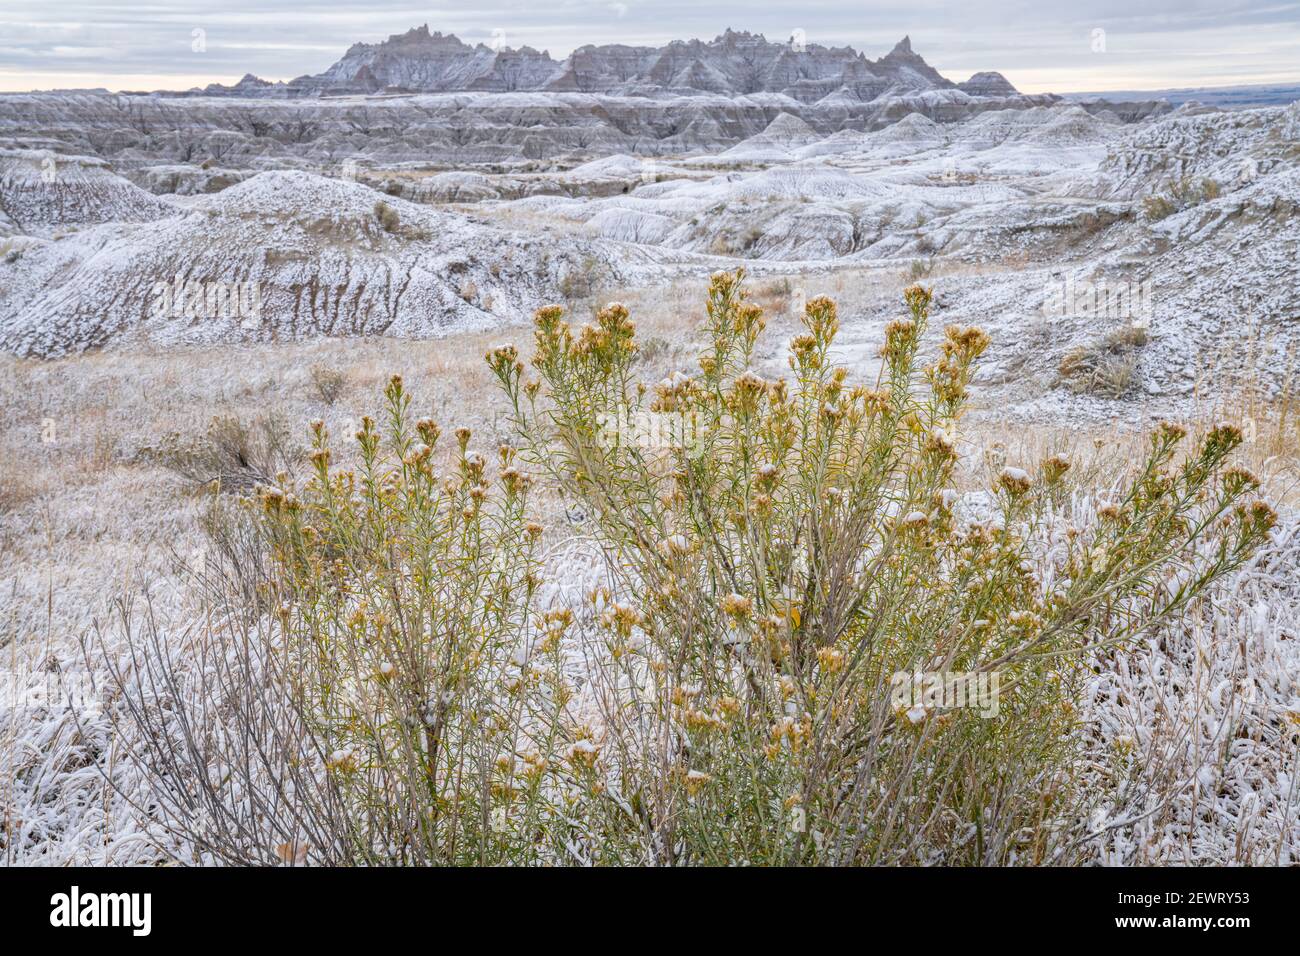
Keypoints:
pixel 1038 44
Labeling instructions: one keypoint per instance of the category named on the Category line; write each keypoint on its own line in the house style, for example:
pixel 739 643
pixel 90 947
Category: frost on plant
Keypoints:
pixel 804 652
pixel 776 575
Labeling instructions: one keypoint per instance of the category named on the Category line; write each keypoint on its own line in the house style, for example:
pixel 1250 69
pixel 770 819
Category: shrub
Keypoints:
pixel 722 245
pixel 232 455
pixel 389 219
pixel 919 269
pixel 778 575
pixel 576 282
pixel 1107 366
pixel 328 383
pixel 1156 208
pixel 398 704
pixel 780 569
pixel 654 348
pixel 777 295
pixel 1181 194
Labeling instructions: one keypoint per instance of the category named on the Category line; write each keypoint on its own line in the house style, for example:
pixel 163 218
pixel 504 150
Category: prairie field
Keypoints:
pixel 727 453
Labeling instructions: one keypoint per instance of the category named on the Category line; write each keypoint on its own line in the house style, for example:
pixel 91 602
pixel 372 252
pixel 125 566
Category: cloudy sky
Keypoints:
pixel 1041 45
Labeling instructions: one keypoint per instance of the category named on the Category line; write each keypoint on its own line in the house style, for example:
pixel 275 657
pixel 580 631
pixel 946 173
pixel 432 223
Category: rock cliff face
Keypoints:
pixel 430 100
pixel 425 62
pixel 453 129
pixel 734 64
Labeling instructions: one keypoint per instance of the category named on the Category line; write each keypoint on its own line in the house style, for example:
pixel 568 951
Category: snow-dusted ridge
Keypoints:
pixel 310 256
pixel 734 63
pixel 421 97
pixel 40 190
pixel 1056 188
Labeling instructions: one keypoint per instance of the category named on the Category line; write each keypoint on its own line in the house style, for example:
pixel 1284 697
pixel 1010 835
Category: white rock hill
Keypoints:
pixel 41 191
pixel 312 250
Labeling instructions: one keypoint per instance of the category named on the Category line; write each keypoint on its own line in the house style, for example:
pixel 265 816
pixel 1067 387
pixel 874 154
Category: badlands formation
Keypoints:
pixel 421 187
pixel 175 262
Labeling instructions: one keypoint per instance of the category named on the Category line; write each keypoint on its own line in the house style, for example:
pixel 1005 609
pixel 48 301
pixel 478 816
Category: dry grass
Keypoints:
pixel 1232 387
pixel 1102 456
pixel 388 217
pixel 328 382
pixel 1180 194
pixel 1107 366
pixel 86 515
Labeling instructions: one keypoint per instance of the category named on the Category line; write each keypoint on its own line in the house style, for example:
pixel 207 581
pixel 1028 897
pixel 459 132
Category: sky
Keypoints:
pixel 1055 46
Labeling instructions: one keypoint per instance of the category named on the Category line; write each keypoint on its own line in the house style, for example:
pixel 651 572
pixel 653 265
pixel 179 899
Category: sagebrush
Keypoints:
pixel 785 557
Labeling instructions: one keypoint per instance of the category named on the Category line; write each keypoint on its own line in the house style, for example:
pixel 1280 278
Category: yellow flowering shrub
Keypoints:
pixel 790 564
pixel 404 602
pixel 809 648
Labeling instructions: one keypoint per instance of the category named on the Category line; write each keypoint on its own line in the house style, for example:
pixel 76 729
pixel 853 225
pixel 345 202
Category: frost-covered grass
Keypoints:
pixel 1205 715
pixel 1193 732
pixel 102 457
pixel 89 513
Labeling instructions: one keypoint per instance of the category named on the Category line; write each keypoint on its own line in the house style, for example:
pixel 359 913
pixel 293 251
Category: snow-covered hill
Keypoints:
pixel 283 256
pixel 41 191
pixel 1008 204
